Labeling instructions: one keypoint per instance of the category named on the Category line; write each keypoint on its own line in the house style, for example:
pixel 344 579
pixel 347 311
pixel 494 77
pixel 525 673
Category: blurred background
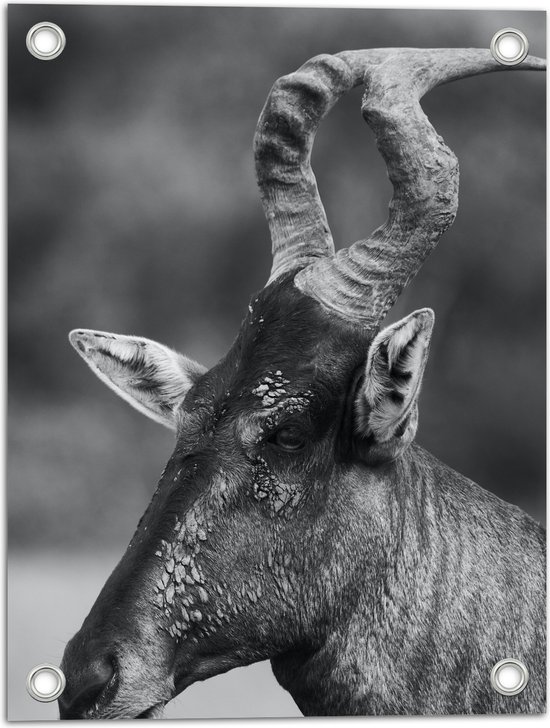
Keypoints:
pixel 133 208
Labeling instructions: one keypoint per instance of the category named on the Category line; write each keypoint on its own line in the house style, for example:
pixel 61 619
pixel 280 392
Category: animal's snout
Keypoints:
pixel 88 681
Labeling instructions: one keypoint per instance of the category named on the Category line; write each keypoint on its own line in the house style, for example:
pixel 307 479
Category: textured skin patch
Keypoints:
pixel 191 607
pixel 181 588
pixel 271 388
pixel 277 494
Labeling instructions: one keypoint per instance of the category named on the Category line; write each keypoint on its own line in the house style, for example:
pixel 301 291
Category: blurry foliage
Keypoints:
pixel 133 208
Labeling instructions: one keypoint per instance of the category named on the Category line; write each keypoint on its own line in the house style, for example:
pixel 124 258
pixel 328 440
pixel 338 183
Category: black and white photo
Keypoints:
pixel 306 249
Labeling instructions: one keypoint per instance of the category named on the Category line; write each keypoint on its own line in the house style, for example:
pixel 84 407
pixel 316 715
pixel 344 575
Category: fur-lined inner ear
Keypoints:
pixel 151 377
pixel 393 375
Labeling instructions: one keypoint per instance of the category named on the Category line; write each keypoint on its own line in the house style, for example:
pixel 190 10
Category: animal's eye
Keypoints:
pixel 289 439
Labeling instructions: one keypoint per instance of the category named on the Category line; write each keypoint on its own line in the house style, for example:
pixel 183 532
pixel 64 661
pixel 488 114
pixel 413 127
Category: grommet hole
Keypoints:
pixel 45 41
pixel 509 46
pixel 509 677
pixel 45 683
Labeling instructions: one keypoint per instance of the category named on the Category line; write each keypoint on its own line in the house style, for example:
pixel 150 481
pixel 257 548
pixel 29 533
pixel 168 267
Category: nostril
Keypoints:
pixel 85 686
pixel 104 669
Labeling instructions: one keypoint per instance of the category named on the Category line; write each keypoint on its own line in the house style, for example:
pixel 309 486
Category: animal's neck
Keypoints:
pixel 386 604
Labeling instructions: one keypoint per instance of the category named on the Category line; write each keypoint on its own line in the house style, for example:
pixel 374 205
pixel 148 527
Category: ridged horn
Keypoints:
pixel 296 105
pixel 360 283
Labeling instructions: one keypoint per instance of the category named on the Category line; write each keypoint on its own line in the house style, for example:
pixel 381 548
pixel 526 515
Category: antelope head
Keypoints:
pixel 268 512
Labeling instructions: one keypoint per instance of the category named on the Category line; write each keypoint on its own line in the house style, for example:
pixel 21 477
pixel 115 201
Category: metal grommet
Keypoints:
pixel 45 41
pixel 45 683
pixel 509 676
pixel 509 46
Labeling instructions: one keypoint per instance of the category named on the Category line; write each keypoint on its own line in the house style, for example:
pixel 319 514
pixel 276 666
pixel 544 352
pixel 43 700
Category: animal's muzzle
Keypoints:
pixel 88 683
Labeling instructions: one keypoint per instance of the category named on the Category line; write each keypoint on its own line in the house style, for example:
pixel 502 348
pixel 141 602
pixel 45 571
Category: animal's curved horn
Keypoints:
pixel 282 147
pixel 361 283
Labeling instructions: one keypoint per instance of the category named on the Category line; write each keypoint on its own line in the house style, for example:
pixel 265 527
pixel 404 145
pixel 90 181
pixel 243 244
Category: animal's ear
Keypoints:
pixel 151 377
pixel 386 404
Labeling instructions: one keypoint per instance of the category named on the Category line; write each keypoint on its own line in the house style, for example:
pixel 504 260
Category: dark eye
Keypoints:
pixel 288 439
